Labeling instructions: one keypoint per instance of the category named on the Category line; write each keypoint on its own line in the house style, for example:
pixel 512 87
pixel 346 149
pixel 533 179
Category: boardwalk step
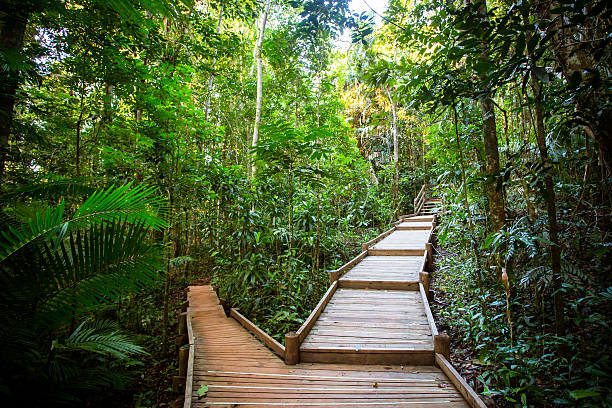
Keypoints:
pixel 384 272
pixel 369 342
pixel 398 331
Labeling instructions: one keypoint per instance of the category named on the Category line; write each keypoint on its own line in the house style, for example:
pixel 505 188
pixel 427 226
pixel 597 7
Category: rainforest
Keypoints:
pixel 159 153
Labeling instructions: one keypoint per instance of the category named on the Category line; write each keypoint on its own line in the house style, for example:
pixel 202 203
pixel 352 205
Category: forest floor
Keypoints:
pixel 463 356
pixel 153 386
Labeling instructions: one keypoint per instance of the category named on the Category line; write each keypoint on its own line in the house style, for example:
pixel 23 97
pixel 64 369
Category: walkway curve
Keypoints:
pixel 370 342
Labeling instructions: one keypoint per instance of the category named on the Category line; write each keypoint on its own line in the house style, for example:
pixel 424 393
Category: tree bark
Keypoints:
pixel 212 73
pixel 258 59
pixel 493 188
pixel 549 196
pixel 574 58
pixel 11 40
pixel 394 132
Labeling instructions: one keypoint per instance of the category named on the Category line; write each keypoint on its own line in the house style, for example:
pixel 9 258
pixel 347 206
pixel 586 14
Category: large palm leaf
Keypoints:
pixel 135 204
pixel 102 265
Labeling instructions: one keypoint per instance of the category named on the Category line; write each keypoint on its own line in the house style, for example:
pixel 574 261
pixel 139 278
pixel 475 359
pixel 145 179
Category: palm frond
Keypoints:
pixel 103 337
pixel 98 267
pixel 137 204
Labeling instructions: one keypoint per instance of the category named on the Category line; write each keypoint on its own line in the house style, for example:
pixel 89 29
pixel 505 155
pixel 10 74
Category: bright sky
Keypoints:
pixel 359 6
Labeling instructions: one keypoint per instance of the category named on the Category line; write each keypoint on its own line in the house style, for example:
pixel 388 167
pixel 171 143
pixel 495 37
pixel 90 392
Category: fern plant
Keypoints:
pixel 59 266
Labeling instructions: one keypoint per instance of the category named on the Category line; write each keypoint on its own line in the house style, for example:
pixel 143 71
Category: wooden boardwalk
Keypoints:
pixel 370 342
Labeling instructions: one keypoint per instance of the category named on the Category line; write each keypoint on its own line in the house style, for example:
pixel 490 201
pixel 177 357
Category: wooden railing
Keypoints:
pixel 264 337
pixel 293 340
pixel 420 199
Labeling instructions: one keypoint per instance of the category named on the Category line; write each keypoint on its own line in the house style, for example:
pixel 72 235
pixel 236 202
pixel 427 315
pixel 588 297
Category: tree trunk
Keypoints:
pixel 549 196
pixel 11 40
pixel 573 57
pixel 212 73
pixel 79 124
pixel 258 46
pixel 394 132
pixel 494 189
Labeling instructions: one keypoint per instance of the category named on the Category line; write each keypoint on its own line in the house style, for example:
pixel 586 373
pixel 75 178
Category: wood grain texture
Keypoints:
pixel 240 371
pixel 468 393
pixel 366 245
pixel 384 272
pixel 260 334
pixel 334 275
pixel 369 342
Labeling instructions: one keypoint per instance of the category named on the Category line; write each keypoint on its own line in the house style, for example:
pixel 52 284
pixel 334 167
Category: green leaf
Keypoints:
pixel 202 391
pixel 134 204
pixel 578 394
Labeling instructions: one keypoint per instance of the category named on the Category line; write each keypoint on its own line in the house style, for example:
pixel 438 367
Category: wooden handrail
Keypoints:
pixel 430 319
pixel 464 388
pixel 337 273
pixel 190 362
pixel 316 312
pixel 264 337
pixel 365 246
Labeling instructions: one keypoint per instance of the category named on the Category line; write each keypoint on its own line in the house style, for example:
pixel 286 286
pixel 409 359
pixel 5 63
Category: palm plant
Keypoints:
pixel 56 268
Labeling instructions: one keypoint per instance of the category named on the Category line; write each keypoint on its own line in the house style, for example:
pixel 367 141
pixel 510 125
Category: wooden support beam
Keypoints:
pixel 424 278
pixel 292 348
pixel 181 340
pixel 182 323
pixel 314 315
pixel 183 360
pixel 442 345
pixel 464 388
pixel 178 384
pixel 336 274
pixel 264 337
pixel 429 248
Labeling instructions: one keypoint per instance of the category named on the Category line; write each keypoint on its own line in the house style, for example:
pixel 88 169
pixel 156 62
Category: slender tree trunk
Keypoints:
pixel 11 39
pixel 258 59
pixel 318 239
pixel 78 132
pixel 549 196
pixel 394 132
pixel 493 188
pixel 211 78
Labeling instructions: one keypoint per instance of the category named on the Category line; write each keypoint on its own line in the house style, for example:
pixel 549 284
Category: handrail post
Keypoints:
pixel 292 348
pixel 442 345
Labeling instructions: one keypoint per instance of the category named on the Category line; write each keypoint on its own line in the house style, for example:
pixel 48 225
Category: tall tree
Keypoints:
pixel 258 60
pixel 489 127
pixel 13 22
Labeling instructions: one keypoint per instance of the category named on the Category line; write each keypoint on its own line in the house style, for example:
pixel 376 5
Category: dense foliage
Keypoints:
pixel 146 145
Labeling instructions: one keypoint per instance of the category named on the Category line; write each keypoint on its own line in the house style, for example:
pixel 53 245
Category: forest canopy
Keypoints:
pixel 255 144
